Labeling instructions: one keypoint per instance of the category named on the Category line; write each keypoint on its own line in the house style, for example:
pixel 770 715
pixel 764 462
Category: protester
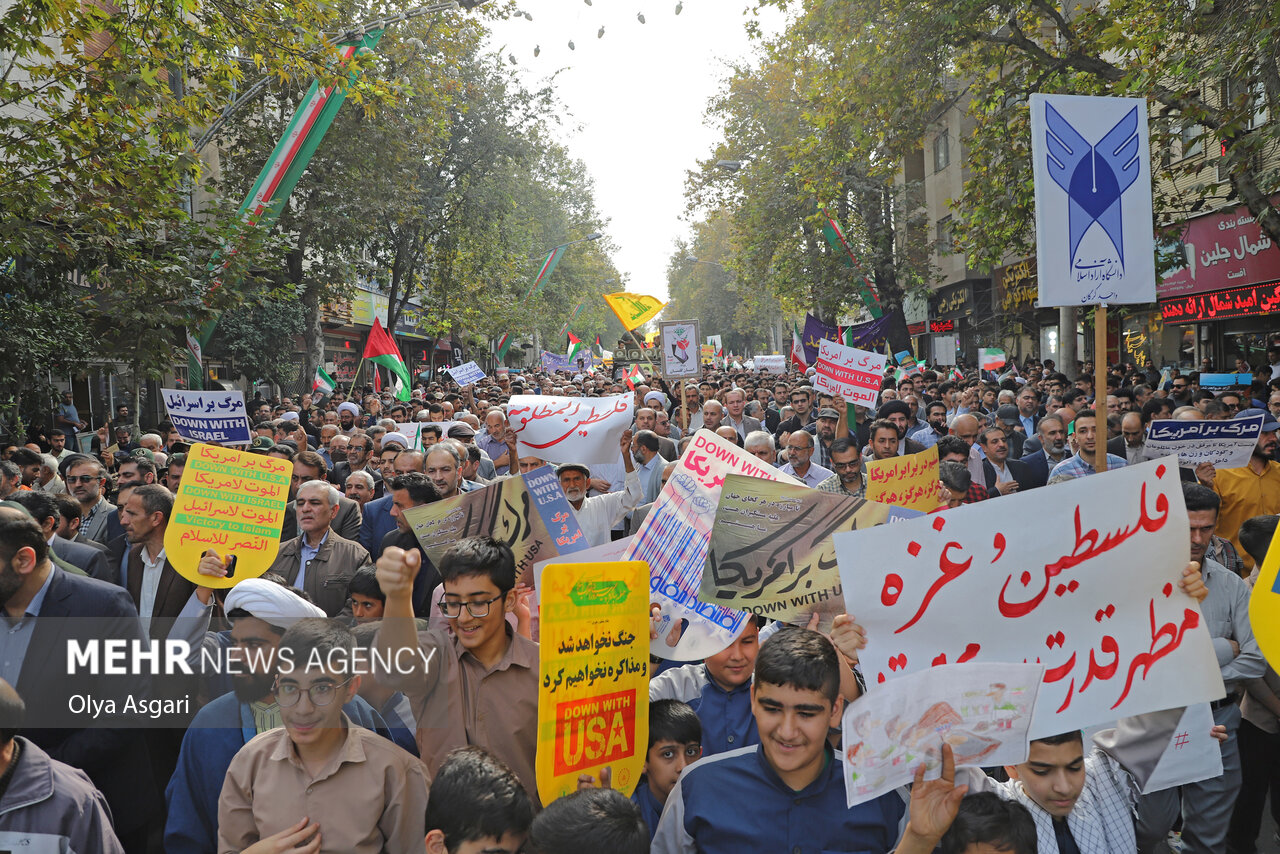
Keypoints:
pixel 477 806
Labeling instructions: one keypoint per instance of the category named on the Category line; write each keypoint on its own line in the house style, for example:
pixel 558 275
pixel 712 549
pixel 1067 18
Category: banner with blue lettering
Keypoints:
pixel 871 335
pixel 1225 444
pixel 216 417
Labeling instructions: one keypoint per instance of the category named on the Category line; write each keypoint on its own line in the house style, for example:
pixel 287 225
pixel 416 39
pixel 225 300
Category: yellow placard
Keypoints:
pixel 232 502
pixel 634 309
pixel 593 702
pixel 1264 604
pixel 910 480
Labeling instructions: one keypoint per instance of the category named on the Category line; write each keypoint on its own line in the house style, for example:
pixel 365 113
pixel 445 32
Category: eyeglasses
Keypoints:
pixel 852 464
pixel 1176 386
pixel 82 478
pixel 477 609
pixel 320 694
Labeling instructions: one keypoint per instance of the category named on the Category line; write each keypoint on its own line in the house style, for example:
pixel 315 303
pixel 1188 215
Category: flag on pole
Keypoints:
pixel 548 267
pixel 839 243
pixel 323 383
pixel 633 309
pixel 955 375
pixel 381 350
pixel 577 309
pixel 575 347
pixel 990 359
pixel 599 348
pixel 633 376
pixel 504 344
pixel 797 349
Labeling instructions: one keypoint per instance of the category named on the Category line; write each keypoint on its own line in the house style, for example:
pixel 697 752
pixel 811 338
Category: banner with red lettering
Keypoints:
pixel 570 429
pixel 674 539
pixel 856 374
pixel 1090 591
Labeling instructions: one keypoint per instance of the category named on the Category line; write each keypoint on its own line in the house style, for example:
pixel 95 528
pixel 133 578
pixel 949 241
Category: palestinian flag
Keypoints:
pixel 797 349
pixel 381 350
pixel 575 347
pixel 634 376
pixel 599 348
pixel 323 383
pixel 991 359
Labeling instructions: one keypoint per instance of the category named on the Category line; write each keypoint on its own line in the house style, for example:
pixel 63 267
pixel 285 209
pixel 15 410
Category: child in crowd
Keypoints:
pixel 477 806
pixel 365 596
pixel 320 775
pixel 675 740
pixel 590 821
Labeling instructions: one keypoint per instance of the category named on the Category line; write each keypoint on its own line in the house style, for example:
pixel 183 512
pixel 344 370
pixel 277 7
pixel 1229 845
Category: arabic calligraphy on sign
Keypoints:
pixel 910 480
pixel 570 429
pixel 1239 302
pixel 1018 289
pixel 955 301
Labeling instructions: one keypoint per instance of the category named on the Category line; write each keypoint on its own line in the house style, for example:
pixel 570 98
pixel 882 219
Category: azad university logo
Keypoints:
pixel 1095 177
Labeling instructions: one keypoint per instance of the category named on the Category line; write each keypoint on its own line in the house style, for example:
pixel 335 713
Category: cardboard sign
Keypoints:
pixel 232 502
pixel 593 701
pixel 855 374
pixel 570 429
pixel 982 710
pixel 771 364
pixel 910 480
pixel 680 349
pixel 1094 241
pixel 1226 444
pixel 1094 598
pixel 528 513
pixel 208 416
pixel 1264 604
pixel 674 539
pixel 466 374
pixel 771 551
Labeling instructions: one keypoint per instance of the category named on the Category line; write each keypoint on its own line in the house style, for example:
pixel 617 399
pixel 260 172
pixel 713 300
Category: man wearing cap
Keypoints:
pixel 1248 491
pixel 599 514
pixel 1010 418
pixel 823 431
pixel 259 611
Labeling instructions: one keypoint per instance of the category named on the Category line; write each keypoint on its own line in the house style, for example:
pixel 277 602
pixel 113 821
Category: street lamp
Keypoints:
pixel 729 165
pixel 691 259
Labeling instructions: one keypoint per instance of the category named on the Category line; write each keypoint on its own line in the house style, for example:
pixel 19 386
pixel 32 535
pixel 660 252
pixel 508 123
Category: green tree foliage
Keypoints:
pixel 257 336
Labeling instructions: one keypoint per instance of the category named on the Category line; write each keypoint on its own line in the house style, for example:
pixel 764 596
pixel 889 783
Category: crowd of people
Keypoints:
pixel 742 752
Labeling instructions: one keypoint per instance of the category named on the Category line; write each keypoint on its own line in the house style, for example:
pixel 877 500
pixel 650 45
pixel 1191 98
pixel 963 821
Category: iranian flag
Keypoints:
pixel 381 350
pixel 575 347
pixel 990 359
pixel 634 376
pixel 797 349
pixel 323 383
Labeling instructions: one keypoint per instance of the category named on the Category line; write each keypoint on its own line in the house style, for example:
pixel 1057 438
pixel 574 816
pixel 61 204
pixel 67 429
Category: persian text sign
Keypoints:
pixel 1094 241
pixel 771 551
pixel 982 710
pixel 570 429
pixel 466 374
pixel 1096 600
pixel 856 374
pixel 593 701
pixel 208 416
pixel 1226 444
pixel 680 349
pixel 674 539
pixel 771 364
pixel 232 502
pixel 910 480
pixel 528 513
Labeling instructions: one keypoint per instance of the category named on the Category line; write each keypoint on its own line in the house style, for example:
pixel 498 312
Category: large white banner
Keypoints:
pixel 570 429
pixel 1094 236
pixel 674 539
pixel 1090 590
pixel 856 374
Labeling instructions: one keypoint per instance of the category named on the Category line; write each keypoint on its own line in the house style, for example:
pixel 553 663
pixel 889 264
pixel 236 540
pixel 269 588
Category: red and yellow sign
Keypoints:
pixel 232 502
pixel 910 480
pixel 593 703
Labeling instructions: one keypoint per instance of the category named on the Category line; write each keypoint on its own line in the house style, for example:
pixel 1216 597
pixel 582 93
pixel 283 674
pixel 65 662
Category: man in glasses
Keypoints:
pixel 849 479
pixel 801 400
pixel 1180 390
pixel 361 792
pixel 85 478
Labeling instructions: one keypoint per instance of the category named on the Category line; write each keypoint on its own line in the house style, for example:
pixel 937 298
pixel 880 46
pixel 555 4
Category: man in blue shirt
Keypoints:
pixel 791 783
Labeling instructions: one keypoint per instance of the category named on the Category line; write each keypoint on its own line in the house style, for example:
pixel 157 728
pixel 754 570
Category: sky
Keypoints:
pixel 636 99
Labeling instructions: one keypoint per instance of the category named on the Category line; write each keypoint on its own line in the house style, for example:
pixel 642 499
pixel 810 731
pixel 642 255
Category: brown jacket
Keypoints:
pixel 329 572
pixel 172 594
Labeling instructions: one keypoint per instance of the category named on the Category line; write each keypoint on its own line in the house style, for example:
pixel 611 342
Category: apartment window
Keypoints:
pixel 941 151
pixel 1235 90
pixel 1191 139
pixel 944 236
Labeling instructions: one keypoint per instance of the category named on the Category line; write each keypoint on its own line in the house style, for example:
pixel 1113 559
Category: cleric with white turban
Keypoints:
pixel 270 602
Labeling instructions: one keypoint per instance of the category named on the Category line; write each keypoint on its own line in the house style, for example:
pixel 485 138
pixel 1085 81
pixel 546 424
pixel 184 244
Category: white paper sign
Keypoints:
pixel 680 350
pixel 856 374
pixel 1192 754
pixel 944 349
pixel 1094 236
pixel 771 364
pixel 1226 444
pixel 1090 590
pixel 982 710
pixel 570 429
pixel 674 539
pixel 466 374
pixel 217 417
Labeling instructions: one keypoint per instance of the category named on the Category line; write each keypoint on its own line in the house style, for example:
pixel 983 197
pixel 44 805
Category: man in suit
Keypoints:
pixel 1007 416
pixel 44 509
pixel 378 520
pixel 1052 434
pixel 309 466
pixel 85 481
pixel 319 561
pixel 1003 475
pixel 735 404
pixel 1131 443
pixel 1029 411
pixel 166 601
pixel 40 599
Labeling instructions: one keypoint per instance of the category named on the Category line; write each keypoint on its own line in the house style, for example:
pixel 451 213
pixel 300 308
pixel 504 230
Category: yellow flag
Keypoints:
pixel 1264 604
pixel 650 337
pixel 634 309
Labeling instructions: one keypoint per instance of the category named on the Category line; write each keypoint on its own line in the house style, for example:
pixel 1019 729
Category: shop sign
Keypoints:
pixel 938 326
pixel 1237 302
pixel 1016 286
pixel 953 301
pixel 1222 250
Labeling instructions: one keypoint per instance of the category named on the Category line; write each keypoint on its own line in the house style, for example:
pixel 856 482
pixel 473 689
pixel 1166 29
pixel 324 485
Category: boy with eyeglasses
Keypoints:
pixel 322 779
pixel 478 685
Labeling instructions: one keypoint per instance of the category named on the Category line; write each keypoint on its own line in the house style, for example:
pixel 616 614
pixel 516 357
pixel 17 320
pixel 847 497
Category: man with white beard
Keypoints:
pixel 598 514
